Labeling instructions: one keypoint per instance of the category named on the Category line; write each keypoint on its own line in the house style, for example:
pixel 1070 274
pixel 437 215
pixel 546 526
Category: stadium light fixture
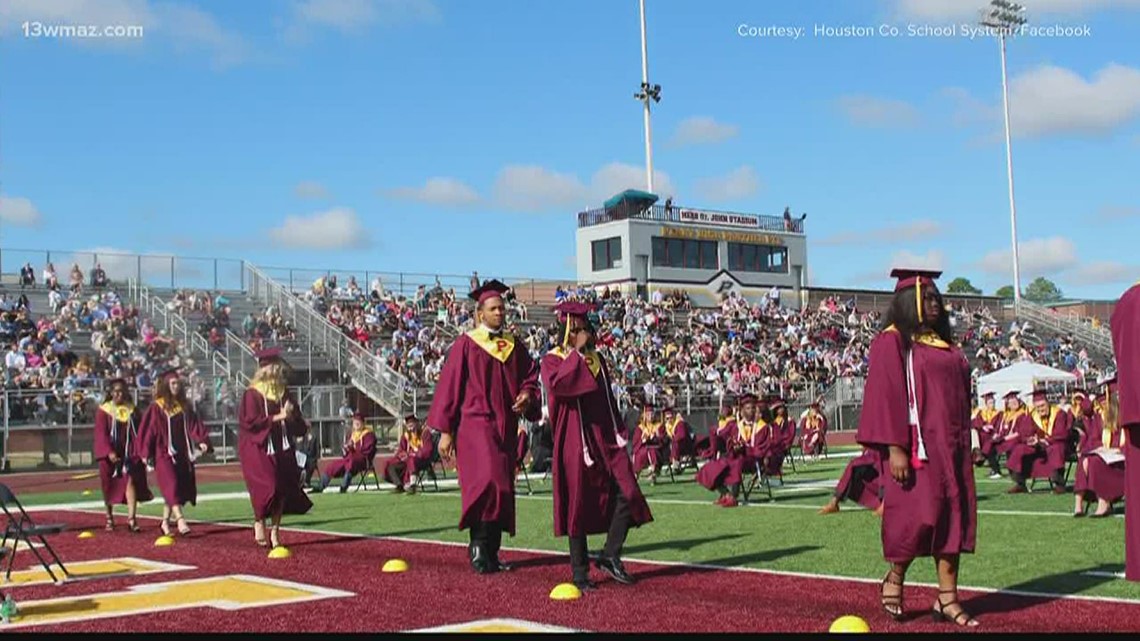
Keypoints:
pixel 1007 18
pixel 647 92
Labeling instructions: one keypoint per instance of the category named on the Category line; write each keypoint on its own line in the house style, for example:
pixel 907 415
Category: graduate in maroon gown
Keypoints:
pixel 814 425
pixel 487 381
pixel 268 421
pixel 357 452
pixel 650 443
pixel 122 471
pixel 725 473
pixel 1125 324
pixel 413 454
pixel 595 489
pixel 173 436
pixel 984 423
pixel 711 445
pixel 784 434
pixel 1041 445
pixel 1013 420
pixel 861 482
pixel 681 445
pixel 1099 475
pixel 916 416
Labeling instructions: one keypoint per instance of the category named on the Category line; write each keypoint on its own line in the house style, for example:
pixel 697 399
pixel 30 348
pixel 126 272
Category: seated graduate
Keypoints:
pixel 414 454
pixel 1101 465
pixel 359 450
pixel 680 437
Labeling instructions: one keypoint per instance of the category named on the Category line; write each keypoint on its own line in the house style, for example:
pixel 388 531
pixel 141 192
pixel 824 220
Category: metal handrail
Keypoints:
pixel 1098 338
pixel 368 373
pixel 156 308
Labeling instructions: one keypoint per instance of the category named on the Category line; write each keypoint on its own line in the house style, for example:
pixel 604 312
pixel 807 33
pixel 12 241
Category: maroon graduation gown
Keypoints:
pixel 649 447
pixel 680 441
pixel 268 456
pixel 169 441
pixel 815 433
pixel 473 402
pixel 986 428
pixel 588 459
pixel 1048 456
pixel 1095 478
pixel 935 513
pixel 865 490
pixel 412 459
pixel 1125 325
pixel 122 439
pixel 357 459
pixel 727 468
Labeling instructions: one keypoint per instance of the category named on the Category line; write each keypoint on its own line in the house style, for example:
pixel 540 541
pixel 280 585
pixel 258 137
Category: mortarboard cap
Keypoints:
pixel 169 372
pixel 1012 394
pixel 358 416
pixel 988 395
pixel 572 308
pixel 411 417
pixel 1039 395
pixel 747 398
pixel 490 289
pixel 910 277
pixel 110 382
pixel 775 402
pixel 268 355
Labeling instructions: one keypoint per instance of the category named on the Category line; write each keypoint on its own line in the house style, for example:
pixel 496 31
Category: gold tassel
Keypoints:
pixel 918 296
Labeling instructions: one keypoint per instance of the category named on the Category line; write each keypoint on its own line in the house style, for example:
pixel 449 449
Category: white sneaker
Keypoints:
pixel 995 475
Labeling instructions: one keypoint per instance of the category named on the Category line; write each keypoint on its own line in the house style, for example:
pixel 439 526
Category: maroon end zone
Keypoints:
pixel 439 589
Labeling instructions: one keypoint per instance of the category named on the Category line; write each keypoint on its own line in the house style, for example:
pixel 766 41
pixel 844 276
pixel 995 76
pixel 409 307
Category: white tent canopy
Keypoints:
pixel 1023 376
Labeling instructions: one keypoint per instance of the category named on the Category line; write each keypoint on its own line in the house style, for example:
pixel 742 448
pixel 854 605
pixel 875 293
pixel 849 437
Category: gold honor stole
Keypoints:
pixel 413 441
pixel 1009 419
pixel 499 348
pixel 171 411
pixel 748 430
pixel 121 413
pixel 648 429
pixel 671 428
pixel 1047 428
pixel 929 339
pixel 593 359
pixel 270 391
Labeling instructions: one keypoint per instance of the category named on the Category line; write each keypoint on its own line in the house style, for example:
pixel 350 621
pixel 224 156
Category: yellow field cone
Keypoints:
pixel 86 492
pixel 163 541
pixel 86 534
pixel 395 565
pixel 280 552
pixel 565 592
pixel 849 624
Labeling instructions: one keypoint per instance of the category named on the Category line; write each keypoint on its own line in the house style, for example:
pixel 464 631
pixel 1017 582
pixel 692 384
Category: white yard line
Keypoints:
pixel 703 566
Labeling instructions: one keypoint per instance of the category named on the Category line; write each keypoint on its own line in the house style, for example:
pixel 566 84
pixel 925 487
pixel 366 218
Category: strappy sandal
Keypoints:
pixel 892 603
pixel 133 525
pixel 275 536
pixel 259 534
pixel 940 615
pixel 183 528
pixel 110 527
pixel 164 525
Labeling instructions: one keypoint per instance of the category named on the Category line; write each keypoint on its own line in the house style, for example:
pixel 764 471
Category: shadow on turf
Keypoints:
pixel 1074 582
pixel 766 556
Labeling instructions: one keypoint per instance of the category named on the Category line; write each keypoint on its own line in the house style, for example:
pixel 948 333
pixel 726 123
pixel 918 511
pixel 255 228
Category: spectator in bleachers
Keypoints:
pixel 27 276
pixel 50 279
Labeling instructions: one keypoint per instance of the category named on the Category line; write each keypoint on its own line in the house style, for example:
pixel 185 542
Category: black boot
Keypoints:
pixel 477 550
pixel 494 543
pixel 580 564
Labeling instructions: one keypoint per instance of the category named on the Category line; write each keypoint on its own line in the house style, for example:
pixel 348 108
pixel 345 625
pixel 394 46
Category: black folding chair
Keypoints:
pixel 362 482
pixel 758 477
pixel 429 471
pixel 21 528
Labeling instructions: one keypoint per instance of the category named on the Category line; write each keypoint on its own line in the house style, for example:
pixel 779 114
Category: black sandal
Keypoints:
pixel 110 527
pixel 183 527
pixel 940 614
pixel 892 604
pixel 133 525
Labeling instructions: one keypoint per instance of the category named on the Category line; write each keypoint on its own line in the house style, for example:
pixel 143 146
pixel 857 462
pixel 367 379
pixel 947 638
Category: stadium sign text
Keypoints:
pixel 717 218
pixel 726 236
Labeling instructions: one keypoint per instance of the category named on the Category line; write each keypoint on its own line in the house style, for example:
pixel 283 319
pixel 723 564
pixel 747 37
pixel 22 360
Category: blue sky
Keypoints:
pixel 445 136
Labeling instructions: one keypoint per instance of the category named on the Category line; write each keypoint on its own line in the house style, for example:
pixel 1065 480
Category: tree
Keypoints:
pixel 962 285
pixel 1043 290
pixel 1005 292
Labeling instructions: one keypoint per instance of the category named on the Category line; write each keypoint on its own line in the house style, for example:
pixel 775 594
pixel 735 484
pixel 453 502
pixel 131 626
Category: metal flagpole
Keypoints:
pixel 646 94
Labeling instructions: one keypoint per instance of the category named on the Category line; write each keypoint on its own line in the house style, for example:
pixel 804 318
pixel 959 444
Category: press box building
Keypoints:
pixel 641 247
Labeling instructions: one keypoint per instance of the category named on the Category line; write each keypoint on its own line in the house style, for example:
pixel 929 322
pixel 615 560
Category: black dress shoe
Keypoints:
pixel 615 569
pixel 503 567
pixel 585 585
pixel 480 561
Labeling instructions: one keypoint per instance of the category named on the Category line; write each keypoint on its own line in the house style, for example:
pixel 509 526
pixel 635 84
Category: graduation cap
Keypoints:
pixel 776 403
pixel 490 289
pixel 410 418
pixel 571 308
pixel 358 416
pixel 916 278
pixel 669 410
pixel 268 355
pixel 1039 395
pixel 169 372
pixel 988 395
pixel 111 382
pixel 747 398
pixel 1013 393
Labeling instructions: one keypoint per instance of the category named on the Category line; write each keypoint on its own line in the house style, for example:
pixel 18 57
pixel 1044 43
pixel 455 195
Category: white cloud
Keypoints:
pixel 1054 100
pixel 702 130
pixel 442 191
pixel 953 10
pixel 19 212
pixel 933 260
pixel 353 17
pixel 1037 257
pixel 338 228
pixel 869 111
pixel 740 183
pixel 1110 213
pixel 533 188
pixel 913 230
pixel 311 190
pixel 184 26
pixel 1103 272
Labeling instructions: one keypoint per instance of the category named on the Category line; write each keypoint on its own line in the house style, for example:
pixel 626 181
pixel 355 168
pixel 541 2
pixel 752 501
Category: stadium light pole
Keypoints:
pixel 1006 17
pixel 646 94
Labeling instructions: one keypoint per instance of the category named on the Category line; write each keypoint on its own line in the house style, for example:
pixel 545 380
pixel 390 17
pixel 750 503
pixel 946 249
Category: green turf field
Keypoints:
pixel 1025 542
